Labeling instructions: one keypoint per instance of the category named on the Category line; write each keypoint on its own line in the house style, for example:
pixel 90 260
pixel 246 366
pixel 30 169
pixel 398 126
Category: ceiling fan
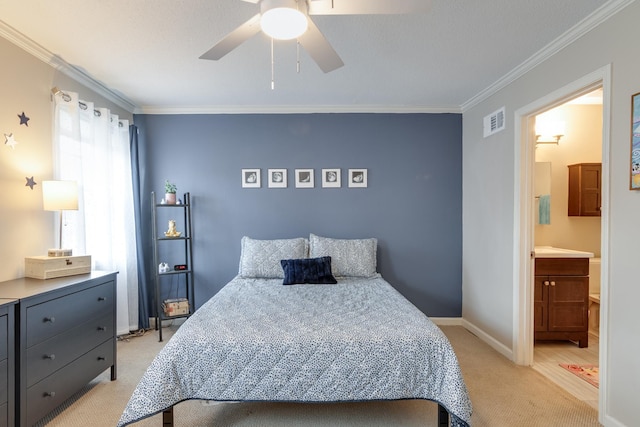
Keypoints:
pixel 293 18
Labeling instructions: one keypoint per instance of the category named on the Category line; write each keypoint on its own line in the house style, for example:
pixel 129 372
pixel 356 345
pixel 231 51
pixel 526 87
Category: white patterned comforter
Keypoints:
pixel 257 340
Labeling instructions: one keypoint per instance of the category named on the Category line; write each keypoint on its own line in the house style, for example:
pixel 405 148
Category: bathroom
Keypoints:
pixel 567 135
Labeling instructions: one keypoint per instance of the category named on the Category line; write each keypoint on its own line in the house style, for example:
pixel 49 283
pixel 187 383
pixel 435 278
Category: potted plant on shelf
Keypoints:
pixel 170 193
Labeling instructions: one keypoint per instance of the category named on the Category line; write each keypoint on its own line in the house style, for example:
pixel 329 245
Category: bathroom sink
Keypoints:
pixel 553 252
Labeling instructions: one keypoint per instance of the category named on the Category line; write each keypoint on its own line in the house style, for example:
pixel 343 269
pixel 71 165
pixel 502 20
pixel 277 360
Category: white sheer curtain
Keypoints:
pixel 91 146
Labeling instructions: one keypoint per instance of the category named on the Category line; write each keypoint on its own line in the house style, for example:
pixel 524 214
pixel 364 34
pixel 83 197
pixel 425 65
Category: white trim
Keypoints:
pixel 33 48
pixel 295 109
pixel 596 18
pixel 488 339
pixel 599 16
pixel 82 77
pixel 447 321
pixel 523 221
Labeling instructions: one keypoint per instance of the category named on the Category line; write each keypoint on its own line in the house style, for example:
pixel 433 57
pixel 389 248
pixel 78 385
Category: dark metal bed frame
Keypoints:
pixel 443 417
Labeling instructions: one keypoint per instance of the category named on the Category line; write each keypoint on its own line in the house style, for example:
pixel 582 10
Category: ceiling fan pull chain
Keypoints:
pixel 298 56
pixel 273 79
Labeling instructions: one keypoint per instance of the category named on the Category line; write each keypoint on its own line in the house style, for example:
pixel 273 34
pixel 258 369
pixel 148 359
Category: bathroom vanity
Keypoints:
pixel 561 295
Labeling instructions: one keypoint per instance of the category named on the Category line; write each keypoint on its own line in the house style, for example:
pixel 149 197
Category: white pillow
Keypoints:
pixel 261 258
pixel 349 257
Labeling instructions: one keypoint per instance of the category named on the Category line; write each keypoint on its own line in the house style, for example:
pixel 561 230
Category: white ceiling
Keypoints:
pixel 146 52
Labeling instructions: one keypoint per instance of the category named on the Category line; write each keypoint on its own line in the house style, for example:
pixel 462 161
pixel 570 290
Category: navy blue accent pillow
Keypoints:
pixel 308 270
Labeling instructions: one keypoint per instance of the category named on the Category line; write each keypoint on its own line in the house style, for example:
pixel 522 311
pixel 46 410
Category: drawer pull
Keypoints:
pixel 546 283
pixel 102 298
pixel 49 319
pixel 101 358
pixel 102 328
pixel 49 394
pixel 553 283
pixel 50 356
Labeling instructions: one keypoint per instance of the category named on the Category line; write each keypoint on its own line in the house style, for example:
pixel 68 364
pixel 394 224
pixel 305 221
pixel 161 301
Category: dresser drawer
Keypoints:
pixel 46 395
pixel 50 318
pixel 45 358
pixel 4 384
pixel 3 337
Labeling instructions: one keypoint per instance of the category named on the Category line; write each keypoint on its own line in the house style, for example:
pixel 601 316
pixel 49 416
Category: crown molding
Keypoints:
pixel 599 16
pixel 64 67
pixel 297 109
pixel 596 18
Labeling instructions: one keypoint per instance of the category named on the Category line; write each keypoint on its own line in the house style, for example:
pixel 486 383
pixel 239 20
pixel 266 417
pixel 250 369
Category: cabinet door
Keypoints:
pixel 568 303
pixel 591 190
pixel 540 305
pixel 584 198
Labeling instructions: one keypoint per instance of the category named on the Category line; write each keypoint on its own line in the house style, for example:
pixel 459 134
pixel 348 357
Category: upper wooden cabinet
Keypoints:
pixel 585 189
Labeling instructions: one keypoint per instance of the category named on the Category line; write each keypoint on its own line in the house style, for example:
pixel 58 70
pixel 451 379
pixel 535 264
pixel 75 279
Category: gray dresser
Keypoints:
pixel 7 363
pixel 65 337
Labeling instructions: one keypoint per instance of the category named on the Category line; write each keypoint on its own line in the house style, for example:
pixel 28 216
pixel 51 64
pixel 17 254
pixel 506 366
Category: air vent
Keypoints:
pixel 494 122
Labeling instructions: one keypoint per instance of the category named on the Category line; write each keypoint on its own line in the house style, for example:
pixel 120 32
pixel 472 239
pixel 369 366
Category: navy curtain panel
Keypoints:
pixel 144 295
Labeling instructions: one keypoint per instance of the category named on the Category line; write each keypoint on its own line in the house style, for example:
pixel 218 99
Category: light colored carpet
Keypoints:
pixel 502 394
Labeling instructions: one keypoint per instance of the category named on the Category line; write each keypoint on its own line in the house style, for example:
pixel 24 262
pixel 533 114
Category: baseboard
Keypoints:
pixel 447 321
pixel 488 339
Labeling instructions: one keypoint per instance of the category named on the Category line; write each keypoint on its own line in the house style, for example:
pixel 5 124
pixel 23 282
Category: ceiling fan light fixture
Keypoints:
pixel 282 20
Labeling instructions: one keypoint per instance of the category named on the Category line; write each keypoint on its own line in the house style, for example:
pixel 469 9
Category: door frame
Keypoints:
pixel 524 217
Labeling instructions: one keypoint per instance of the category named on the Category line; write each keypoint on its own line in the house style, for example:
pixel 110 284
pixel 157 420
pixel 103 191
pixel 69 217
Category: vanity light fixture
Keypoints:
pixel 549 132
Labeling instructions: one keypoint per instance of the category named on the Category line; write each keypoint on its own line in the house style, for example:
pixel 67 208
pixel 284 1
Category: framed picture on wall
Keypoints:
pixel 250 178
pixel 277 178
pixel 304 178
pixel 331 178
pixel 634 183
pixel 358 178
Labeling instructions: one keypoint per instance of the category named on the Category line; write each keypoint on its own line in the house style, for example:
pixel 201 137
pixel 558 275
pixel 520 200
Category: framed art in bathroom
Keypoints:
pixel 634 183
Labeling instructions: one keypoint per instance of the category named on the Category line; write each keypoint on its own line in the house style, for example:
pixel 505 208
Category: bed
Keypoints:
pixel 305 320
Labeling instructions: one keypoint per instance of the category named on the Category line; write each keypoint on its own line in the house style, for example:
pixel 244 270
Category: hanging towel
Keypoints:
pixel 544 209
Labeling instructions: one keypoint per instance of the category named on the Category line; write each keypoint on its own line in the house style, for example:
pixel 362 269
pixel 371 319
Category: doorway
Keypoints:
pixel 568 143
pixel 524 217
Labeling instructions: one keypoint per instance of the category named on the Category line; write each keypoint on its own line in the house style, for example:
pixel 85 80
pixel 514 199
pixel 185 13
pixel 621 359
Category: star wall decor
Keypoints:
pixel 30 182
pixel 10 140
pixel 24 119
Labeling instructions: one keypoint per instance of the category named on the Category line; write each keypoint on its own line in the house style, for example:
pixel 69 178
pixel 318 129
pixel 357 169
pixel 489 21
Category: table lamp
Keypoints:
pixel 60 196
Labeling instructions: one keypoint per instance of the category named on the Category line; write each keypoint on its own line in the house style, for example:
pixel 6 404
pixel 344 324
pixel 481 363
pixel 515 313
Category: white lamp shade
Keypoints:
pixel 282 20
pixel 60 195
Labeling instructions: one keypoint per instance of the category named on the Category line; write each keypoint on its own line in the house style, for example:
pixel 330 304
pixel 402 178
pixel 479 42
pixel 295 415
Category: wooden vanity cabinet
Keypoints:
pixel 561 299
pixel 585 192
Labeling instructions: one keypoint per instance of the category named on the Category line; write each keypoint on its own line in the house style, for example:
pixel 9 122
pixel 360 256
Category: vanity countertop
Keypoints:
pixel 552 252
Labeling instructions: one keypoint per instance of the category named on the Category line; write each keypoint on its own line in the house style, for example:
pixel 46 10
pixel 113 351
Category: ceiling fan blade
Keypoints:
pixel 317 46
pixel 252 1
pixel 234 39
pixel 368 7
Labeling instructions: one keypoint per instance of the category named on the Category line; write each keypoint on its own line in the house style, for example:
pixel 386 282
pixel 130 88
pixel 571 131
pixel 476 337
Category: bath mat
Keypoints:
pixel 589 373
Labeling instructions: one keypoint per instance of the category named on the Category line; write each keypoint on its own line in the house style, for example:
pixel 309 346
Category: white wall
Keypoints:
pixel 582 143
pixel 489 177
pixel 25 85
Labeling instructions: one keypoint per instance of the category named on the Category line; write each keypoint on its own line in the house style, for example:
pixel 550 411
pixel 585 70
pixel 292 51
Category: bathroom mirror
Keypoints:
pixel 542 181
pixel 542 192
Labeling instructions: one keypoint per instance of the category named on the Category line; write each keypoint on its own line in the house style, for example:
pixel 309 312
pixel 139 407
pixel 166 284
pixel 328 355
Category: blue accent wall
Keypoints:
pixel 412 205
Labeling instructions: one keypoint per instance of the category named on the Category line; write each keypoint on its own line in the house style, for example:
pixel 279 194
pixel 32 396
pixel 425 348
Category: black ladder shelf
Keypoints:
pixel 179 255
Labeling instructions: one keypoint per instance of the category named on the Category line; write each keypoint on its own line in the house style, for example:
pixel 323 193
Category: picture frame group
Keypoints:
pixel 304 178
